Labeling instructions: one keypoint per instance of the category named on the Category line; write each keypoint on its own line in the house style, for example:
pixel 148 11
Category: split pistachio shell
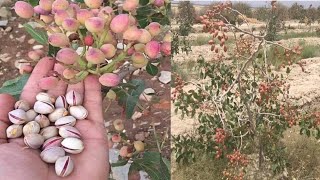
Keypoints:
pixel 72 145
pixel 33 141
pixel 49 132
pixel 69 131
pixel 64 166
pixel 14 131
pixel 45 97
pixel 31 127
pixel 79 112
pixel 67 120
pixel 57 114
pixel 17 116
pixel 50 155
pixel 43 107
pixel 52 142
pixel 61 102
pixel 74 98
pixel 22 104
pixel 31 114
pixel 42 120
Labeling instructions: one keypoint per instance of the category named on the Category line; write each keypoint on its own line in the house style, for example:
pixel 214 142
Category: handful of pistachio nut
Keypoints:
pixel 49 126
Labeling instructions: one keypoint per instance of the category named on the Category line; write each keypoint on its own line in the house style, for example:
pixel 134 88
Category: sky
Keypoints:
pixel 261 3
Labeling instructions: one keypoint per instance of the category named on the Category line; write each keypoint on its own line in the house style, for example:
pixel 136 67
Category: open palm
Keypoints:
pixel 20 163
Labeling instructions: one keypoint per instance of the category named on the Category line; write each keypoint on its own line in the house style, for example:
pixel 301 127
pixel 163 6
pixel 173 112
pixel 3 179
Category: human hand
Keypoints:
pixel 20 163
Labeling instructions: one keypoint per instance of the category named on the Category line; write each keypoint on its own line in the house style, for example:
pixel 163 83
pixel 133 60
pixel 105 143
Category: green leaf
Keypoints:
pixel 15 86
pixel 79 1
pixel 40 36
pixel 143 2
pixel 33 2
pixel 53 50
pixel 152 69
pixel 153 164
pixel 130 99
pixel 119 163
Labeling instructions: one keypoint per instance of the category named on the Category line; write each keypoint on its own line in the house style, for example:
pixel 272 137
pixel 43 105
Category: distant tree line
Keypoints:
pixel 295 12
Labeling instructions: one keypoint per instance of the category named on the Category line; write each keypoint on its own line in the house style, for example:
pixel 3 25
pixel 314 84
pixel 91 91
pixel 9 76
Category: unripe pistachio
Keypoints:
pixel 46 4
pixel 67 56
pixel 69 73
pixel 58 40
pixel 139 47
pixel 83 15
pixel 109 79
pixel 130 5
pixel 95 24
pixel 108 50
pixel 23 9
pixel 132 33
pixel 70 24
pixel 167 37
pixel 40 11
pixel 123 151
pixel 118 125
pixel 139 146
pixel 154 28
pixel 120 23
pixel 116 138
pixel 139 60
pixel 106 13
pixel 34 55
pixel 166 48
pixel 60 5
pixel 25 69
pixel 22 104
pixel 158 3
pixel 17 116
pixel 14 131
pixel 152 49
pixel 93 4
pixel 145 36
pixel 60 16
pixel 95 56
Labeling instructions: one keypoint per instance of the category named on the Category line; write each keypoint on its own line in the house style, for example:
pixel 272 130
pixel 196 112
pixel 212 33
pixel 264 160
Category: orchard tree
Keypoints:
pixel 296 11
pixel 186 17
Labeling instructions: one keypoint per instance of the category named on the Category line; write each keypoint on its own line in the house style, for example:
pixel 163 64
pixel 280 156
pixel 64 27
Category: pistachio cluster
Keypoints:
pixel 97 38
pixel 49 126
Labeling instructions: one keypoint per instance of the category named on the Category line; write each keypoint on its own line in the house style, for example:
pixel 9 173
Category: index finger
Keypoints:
pixel 31 89
pixel 93 99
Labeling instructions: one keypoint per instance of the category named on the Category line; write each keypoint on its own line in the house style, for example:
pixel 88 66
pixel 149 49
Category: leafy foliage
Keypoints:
pixel 15 86
pixel 157 167
pixel 128 95
pixel 40 36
